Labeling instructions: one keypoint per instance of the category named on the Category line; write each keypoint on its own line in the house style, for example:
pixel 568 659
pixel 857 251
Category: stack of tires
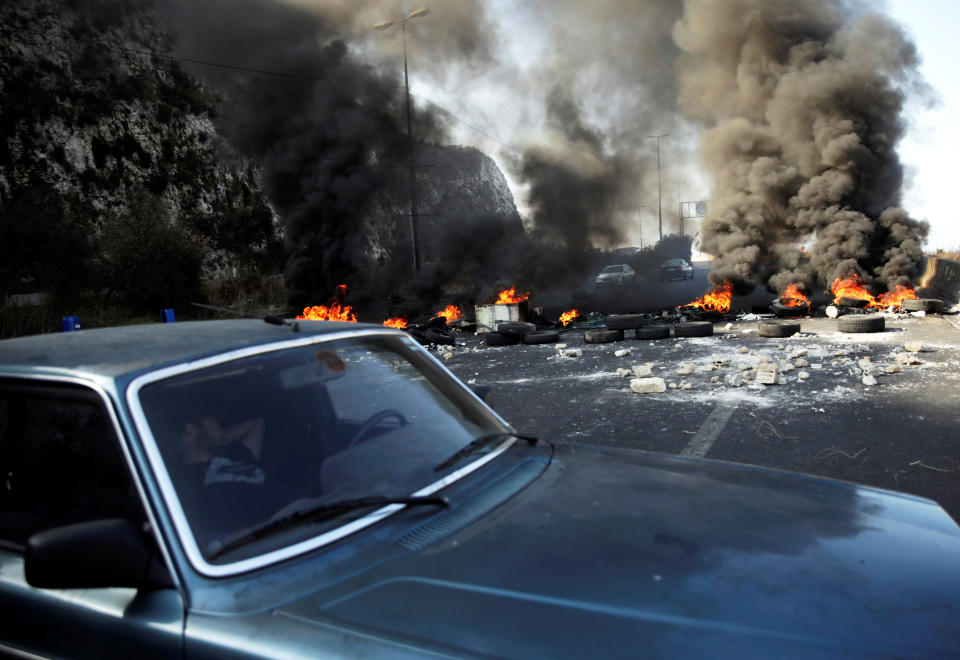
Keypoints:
pixel 617 324
pixel 510 333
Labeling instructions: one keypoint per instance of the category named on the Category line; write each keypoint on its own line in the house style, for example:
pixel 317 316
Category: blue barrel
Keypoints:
pixel 69 323
pixel 166 316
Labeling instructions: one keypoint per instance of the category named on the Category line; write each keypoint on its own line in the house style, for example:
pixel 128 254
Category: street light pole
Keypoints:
pixel 383 25
pixel 679 206
pixel 659 196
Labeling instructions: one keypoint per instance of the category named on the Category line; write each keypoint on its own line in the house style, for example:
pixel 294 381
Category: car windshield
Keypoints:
pixel 674 262
pixel 351 418
pixel 613 269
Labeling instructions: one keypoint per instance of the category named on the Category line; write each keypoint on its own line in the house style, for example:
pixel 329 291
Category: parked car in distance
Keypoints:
pixel 617 274
pixel 242 489
pixel 676 269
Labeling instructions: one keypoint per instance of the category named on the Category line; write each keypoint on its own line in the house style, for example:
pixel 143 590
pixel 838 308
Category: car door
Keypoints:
pixel 61 463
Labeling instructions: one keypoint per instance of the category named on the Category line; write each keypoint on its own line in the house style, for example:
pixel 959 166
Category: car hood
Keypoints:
pixel 613 553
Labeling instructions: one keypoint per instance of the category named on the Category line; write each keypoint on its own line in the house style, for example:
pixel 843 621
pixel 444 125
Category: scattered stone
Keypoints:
pixel 893 369
pixel 447 356
pixel 832 311
pixel 707 368
pixel 559 347
pixel 686 386
pixel 801 352
pixel 782 380
pixel 686 368
pixel 786 367
pixel 722 362
pixel 920 314
pixel 838 353
pixel 622 352
pixel 744 349
pixel 642 371
pixel 743 366
pixel 648 385
pixel 908 359
pixel 781 347
pixel 623 373
pixel 863 362
pixel 672 386
pixel 572 352
pixel 736 380
pixel 767 375
pixel 871 370
pixel 803 375
pixel 913 346
pixel 869 380
pixel 714 379
pixel 728 327
pixel 801 363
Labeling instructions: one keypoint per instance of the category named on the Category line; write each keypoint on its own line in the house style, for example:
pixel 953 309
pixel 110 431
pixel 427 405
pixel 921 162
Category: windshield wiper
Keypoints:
pixel 316 513
pixel 482 441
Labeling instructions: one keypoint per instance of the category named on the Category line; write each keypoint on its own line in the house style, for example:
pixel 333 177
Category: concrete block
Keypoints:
pixel 648 385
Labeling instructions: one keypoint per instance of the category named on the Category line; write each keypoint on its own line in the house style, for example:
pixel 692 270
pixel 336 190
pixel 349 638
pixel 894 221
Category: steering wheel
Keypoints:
pixel 372 421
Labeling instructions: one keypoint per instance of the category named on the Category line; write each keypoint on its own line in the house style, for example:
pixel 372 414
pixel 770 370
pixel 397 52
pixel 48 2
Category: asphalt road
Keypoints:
pixel 900 434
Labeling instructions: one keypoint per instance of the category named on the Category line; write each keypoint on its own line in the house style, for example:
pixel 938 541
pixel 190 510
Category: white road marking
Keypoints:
pixel 701 443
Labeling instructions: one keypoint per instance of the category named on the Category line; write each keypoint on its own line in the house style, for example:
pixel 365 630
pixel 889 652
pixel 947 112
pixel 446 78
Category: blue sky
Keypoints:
pixel 932 145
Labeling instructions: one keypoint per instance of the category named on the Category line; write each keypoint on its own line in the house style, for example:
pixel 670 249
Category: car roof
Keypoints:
pixel 113 352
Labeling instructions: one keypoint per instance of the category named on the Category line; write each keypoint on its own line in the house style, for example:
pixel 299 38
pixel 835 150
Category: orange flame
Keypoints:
pixel 850 287
pixel 718 300
pixel 793 297
pixel 510 296
pixel 334 312
pixel 451 313
pixel 396 322
pixel 567 317
pixel 896 297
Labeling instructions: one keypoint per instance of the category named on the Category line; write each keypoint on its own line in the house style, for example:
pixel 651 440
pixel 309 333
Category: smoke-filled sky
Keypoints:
pixel 786 114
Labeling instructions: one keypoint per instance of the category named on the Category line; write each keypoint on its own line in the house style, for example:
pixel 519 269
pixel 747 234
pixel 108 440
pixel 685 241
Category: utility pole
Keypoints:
pixel 642 206
pixel 679 206
pixel 659 195
pixel 383 25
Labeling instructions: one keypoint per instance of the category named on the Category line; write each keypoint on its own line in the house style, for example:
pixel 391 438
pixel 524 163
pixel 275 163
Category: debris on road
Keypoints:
pixel 622 352
pixel 913 346
pixel 648 385
pixel 642 370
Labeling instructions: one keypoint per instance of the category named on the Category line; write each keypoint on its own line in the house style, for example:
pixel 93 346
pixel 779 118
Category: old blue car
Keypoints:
pixel 276 489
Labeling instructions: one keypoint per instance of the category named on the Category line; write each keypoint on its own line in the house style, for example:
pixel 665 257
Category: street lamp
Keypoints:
pixel 679 206
pixel 383 25
pixel 659 202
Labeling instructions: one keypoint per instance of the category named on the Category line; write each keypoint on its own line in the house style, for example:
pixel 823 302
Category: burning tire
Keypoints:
pixel 516 328
pixel 934 305
pixel 654 332
pixel 500 339
pixel 545 337
pixel 602 336
pixel 789 311
pixel 846 301
pixel 624 321
pixel 867 323
pixel 693 329
pixel 775 329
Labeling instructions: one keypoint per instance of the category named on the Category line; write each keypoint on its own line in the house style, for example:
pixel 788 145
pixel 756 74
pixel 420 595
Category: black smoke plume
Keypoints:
pixel 802 102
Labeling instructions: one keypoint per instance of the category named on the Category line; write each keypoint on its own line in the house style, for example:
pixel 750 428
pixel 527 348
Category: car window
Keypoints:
pixel 612 269
pixel 60 462
pixel 348 418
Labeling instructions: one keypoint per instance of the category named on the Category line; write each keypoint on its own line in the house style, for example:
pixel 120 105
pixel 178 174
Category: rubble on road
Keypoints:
pixel 622 352
pixel 648 385
pixel 642 370
pixel 913 347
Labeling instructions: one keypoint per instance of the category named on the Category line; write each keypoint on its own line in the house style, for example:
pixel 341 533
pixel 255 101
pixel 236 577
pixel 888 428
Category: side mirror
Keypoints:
pixel 101 553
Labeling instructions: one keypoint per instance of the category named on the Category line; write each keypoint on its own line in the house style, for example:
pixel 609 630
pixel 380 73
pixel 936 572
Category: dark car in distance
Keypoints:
pixel 675 269
pixel 241 489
